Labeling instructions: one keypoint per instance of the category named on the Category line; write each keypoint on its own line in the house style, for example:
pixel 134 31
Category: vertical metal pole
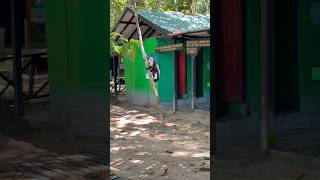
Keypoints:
pixel 175 82
pixel 267 70
pixel 264 75
pixel 16 8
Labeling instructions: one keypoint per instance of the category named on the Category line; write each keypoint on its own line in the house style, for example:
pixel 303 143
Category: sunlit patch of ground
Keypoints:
pixel 143 149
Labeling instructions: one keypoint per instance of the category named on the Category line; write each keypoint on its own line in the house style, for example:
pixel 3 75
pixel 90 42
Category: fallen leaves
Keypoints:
pixel 164 171
pixel 204 168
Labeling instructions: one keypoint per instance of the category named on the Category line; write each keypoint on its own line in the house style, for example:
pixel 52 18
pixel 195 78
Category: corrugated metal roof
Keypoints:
pixel 158 23
pixel 176 21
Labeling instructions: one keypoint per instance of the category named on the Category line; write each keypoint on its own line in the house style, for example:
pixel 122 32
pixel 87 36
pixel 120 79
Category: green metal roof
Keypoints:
pixel 176 21
pixel 158 23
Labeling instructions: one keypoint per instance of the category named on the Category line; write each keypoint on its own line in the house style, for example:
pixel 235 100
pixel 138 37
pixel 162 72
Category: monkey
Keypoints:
pixel 153 67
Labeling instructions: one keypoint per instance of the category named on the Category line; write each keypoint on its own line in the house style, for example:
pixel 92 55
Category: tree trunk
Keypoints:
pixel 176 5
pixel 144 55
pixel 194 7
pixel 158 5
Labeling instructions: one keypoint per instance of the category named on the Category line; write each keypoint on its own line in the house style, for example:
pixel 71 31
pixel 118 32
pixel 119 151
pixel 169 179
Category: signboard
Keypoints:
pixel 192 50
pixel 172 47
pixel 198 43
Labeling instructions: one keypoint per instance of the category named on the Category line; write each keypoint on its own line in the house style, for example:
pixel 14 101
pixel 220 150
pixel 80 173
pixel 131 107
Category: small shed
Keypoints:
pixel 167 29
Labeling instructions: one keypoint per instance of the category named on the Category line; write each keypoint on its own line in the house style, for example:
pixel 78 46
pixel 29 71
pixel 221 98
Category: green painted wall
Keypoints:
pixel 166 62
pixel 309 57
pixel 138 87
pixel 58 61
pixel 78 54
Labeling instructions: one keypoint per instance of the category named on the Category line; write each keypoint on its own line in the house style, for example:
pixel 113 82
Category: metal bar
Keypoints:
pixel 26 66
pixel 37 97
pixel 16 8
pixel 4 89
pixel 132 34
pixel 41 88
pixel 6 79
pixel 154 31
pixel 144 34
pixel 23 55
pixel 128 23
pixel 124 28
pixel 267 68
pixel 264 75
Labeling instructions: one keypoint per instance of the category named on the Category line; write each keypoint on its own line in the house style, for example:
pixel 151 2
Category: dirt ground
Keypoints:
pixel 142 147
pixel 273 168
pixel 179 150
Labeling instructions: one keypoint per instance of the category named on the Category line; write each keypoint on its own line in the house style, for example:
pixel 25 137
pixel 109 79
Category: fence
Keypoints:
pixel 34 74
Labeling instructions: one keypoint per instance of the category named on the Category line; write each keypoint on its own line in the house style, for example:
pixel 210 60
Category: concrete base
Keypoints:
pixel 251 125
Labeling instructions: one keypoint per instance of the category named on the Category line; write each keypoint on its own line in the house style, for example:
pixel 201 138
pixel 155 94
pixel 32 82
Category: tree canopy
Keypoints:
pixel 183 6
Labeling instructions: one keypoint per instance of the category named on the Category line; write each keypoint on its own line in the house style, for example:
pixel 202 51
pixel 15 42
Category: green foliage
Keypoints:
pixel 183 6
pixel 116 8
pixel 127 47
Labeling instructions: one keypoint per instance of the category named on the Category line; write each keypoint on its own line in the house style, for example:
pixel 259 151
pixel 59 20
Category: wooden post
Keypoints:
pixel 267 70
pixel 16 51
